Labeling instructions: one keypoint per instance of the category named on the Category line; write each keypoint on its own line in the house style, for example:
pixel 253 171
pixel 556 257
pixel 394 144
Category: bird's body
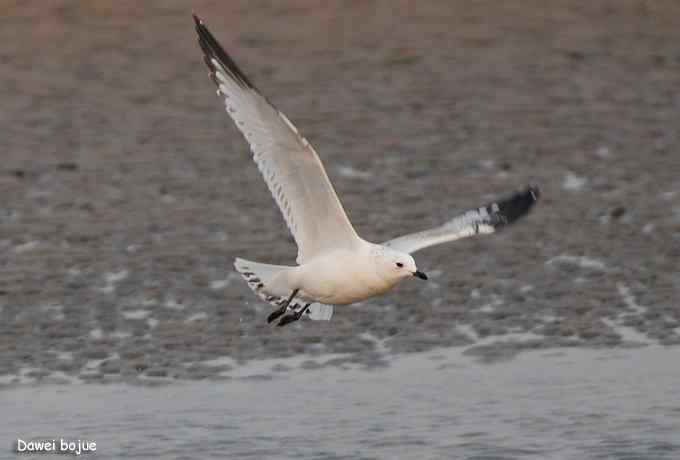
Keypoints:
pixel 335 265
pixel 326 278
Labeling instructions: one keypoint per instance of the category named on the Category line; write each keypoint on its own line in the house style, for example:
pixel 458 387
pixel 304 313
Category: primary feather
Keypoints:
pixel 288 163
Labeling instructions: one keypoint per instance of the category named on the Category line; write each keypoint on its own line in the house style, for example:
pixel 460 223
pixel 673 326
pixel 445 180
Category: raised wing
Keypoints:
pixel 482 220
pixel 290 166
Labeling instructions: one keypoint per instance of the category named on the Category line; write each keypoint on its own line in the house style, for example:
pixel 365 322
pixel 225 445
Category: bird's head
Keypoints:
pixel 396 265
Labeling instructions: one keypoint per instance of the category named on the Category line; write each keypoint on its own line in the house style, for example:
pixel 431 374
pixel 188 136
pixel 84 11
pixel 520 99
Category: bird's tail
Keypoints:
pixel 258 276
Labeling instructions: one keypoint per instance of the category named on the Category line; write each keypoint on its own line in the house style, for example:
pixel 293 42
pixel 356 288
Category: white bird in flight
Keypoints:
pixel 335 265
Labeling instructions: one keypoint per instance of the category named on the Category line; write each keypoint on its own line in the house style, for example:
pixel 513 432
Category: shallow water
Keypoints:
pixel 565 404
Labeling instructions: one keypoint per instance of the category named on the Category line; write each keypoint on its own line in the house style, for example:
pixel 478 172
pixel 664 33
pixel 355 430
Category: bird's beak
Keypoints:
pixel 420 275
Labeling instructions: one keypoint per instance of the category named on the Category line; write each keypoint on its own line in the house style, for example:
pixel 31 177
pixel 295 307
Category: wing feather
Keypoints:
pixel 484 220
pixel 289 165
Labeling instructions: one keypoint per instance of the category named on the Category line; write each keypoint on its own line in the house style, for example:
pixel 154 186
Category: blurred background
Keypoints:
pixel 126 193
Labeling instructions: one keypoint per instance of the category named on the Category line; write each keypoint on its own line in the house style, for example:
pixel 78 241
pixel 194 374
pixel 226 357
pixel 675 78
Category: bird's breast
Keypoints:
pixel 341 281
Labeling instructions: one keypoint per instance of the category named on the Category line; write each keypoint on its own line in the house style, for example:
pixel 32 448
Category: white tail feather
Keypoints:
pixel 258 275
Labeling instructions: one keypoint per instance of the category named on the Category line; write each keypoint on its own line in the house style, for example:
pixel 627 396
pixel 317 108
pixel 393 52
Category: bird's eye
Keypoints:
pixel 400 265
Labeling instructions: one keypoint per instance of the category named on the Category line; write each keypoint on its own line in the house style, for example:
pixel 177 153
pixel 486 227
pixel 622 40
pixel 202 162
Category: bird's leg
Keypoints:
pixel 281 310
pixel 293 316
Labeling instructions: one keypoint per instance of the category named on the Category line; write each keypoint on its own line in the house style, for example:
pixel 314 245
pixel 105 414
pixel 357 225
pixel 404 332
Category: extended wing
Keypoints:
pixel 482 220
pixel 288 163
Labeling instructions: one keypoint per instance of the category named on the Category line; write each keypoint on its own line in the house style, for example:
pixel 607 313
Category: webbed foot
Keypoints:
pixel 280 311
pixel 293 316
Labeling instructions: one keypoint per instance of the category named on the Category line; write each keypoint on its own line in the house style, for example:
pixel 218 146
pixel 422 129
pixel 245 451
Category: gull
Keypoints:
pixel 334 265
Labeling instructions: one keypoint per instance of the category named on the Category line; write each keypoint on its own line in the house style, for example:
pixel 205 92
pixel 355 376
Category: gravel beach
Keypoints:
pixel 127 193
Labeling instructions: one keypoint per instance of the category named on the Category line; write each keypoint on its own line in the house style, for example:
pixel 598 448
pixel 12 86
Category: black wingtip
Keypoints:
pixel 514 207
pixel 212 50
pixel 197 20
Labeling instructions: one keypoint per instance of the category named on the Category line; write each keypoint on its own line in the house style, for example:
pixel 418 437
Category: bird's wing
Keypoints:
pixel 482 220
pixel 290 166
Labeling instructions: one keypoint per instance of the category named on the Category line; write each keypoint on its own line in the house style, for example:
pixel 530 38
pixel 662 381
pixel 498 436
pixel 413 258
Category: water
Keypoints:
pixel 565 404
